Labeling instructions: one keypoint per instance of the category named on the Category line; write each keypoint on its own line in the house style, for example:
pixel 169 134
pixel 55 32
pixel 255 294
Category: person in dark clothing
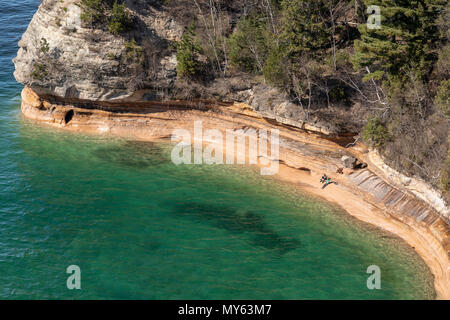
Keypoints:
pixel 328 182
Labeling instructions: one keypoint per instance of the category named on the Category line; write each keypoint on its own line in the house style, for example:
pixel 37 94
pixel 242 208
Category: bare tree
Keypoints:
pixel 269 11
pixel 216 29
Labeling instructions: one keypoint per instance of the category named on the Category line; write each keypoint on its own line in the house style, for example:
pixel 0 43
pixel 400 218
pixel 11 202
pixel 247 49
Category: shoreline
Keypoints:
pixel 304 157
pixel 364 211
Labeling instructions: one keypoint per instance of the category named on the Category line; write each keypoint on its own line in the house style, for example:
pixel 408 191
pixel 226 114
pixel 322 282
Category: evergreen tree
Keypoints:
pixel 304 26
pixel 92 10
pixel 120 19
pixel 404 41
pixel 187 54
pixel 249 44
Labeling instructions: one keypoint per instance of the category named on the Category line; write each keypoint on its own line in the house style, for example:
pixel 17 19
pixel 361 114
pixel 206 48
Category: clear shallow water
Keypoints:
pixel 142 228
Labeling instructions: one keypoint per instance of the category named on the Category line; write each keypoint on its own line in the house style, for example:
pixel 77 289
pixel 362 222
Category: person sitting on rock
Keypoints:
pixel 327 182
pixel 324 178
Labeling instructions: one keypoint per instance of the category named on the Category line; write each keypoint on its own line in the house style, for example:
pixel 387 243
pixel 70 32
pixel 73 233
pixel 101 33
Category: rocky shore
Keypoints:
pixel 367 188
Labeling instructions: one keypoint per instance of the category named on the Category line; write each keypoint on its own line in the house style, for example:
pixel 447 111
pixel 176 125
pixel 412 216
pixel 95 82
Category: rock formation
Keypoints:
pixel 83 77
pixel 60 55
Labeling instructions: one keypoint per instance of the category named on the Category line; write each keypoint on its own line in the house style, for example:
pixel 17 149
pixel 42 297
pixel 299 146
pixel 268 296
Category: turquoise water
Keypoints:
pixel 140 227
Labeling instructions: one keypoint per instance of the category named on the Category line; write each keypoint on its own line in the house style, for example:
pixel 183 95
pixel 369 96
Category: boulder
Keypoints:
pixel 349 162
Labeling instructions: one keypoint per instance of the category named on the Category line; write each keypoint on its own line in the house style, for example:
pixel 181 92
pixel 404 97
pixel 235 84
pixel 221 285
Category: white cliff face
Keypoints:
pixel 414 185
pixel 58 56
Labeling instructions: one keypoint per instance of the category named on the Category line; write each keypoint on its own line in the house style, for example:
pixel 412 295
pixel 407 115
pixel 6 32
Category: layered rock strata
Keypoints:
pixel 373 194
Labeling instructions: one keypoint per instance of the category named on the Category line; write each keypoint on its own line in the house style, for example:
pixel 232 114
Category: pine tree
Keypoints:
pixel 304 26
pixel 187 54
pixel 404 41
pixel 120 19
pixel 249 44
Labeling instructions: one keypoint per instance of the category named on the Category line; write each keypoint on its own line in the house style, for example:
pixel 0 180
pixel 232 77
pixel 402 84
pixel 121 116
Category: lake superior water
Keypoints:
pixel 140 227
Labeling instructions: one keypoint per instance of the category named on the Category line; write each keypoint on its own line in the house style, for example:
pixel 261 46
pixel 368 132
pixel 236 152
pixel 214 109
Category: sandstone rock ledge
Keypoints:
pixel 373 194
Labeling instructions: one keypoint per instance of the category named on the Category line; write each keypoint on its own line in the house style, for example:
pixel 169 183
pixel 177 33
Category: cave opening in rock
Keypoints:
pixel 68 116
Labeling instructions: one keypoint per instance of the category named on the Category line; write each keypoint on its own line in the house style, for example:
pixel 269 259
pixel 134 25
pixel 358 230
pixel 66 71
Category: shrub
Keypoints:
pixel 445 175
pixel 442 100
pixel 120 19
pixel 93 10
pixel 44 46
pixel 39 71
pixel 337 94
pixel 375 133
pixel 134 51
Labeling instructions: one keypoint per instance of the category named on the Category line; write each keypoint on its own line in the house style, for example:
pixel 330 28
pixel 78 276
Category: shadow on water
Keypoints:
pixel 134 154
pixel 239 222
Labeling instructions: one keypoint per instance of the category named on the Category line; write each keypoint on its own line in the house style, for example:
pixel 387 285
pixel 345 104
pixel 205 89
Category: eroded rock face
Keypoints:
pixel 59 56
